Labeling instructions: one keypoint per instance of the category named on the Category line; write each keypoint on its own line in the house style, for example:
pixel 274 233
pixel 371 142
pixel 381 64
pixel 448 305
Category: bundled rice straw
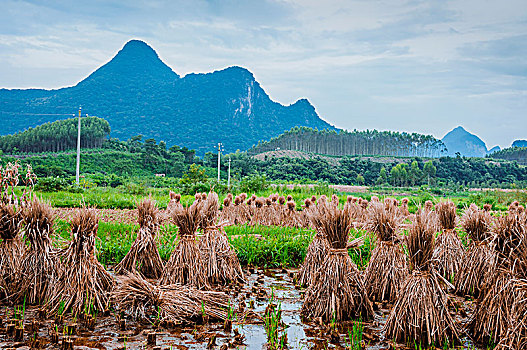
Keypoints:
pixel 290 216
pixel 337 290
pixel 174 203
pixel 40 265
pixel 228 212
pixel 173 303
pixel 83 281
pixel 184 266
pixel 478 260
pixel 516 335
pixel 448 253
pixel 11 248
pixel 387 269
pixel 493 316
pixel 143 255
pixel 403 209
pixel 420 314
pixel 219 260
pixel 316 251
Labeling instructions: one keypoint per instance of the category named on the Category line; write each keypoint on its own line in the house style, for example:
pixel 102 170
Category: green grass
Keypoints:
pixel 258 246
pixel 122 198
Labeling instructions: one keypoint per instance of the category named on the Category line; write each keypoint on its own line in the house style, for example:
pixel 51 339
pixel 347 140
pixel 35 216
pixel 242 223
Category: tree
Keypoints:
pixel 415 173
pixel 429 170
pixel 360 179
pixel 194 175
pixel 383 176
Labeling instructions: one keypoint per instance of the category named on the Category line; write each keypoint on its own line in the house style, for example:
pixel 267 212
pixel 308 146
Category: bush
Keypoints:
pixel 51 184
pixel 253 183
pixel 134 188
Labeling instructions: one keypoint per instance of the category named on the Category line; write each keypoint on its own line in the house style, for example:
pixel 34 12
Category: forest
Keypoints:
pixel 516 154
pixel 342 142
pixel 410 171
pixel 48 148
pixel 57 136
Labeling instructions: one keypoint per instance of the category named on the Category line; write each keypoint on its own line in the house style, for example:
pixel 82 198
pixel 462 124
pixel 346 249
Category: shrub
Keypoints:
pixel 51 184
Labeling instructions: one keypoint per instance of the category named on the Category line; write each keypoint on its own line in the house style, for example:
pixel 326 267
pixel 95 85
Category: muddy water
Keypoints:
pixel 262 287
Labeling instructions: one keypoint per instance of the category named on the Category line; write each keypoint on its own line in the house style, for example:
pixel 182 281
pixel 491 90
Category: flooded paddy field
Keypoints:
pixel 247 331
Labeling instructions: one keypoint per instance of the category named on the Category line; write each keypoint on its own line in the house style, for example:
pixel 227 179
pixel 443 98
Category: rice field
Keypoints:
pixel 264 272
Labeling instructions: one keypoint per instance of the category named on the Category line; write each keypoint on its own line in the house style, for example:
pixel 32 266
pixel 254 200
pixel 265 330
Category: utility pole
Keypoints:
pixel 78 149
pixel 219 156
pixel 229 177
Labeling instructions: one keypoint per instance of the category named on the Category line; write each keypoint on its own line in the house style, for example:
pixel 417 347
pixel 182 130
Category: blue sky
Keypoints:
pixel 424 66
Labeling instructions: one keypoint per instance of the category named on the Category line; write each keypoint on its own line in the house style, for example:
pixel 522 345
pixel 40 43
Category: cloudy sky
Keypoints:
pixel 424 66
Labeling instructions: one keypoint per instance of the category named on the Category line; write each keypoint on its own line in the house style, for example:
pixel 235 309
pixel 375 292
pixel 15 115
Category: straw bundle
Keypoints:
pixel 219 260
pixel 82 281
pixel 40 265
pixel 337 290
pixel 184 266
pixel 174 203
pixel 143 255
pixel 228 212
pixel 173 303
pixel 478 260
pixel 316 251
pixel 448 253
pixel 290 216
pixel 493 315
pixel 403 209
pixel 516 335
pixel 420 314
pixel 387 269
pixel 11 248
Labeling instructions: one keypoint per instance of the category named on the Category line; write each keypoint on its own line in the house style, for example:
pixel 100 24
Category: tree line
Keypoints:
pixel 342 142
pixel 57 136
pixel 411 171
pixel 516 154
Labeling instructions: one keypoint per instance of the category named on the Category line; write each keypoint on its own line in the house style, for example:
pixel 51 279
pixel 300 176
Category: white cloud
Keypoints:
pixel 408 65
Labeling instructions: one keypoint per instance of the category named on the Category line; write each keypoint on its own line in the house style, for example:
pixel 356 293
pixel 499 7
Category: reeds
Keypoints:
pixel 337 290
pixel 478 259
pixel 420 314
pixel 172 303
pixel 11 248
pixel 40 264
pixel 219 260
pixel 387 269
pixel 143 255
pixel 448 253
pixel 83 282
pixel 184 266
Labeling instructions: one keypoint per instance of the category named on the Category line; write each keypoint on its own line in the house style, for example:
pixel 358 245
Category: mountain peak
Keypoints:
pixel 459 140
pixel 136 48
pixel 139 94
pixel 135 62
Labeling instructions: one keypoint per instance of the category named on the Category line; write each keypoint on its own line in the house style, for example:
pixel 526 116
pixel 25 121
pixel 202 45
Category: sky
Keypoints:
pixel 416 66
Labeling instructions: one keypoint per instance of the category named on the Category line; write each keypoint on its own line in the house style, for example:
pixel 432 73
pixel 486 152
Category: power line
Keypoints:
pixel 17 113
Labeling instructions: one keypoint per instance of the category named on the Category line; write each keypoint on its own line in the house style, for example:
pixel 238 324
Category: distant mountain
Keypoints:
pixel 139 94
pixel 494 149
pixel 519 143
pixel 467 144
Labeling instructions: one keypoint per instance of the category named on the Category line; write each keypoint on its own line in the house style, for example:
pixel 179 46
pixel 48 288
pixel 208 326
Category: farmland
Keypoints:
pixel 271 234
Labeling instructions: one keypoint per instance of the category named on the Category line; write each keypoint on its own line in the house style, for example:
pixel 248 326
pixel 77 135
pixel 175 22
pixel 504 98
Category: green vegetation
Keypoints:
pixel 58 136
pixel 138 93
pixel 516 154
pixel 414 171
pixel 342 142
